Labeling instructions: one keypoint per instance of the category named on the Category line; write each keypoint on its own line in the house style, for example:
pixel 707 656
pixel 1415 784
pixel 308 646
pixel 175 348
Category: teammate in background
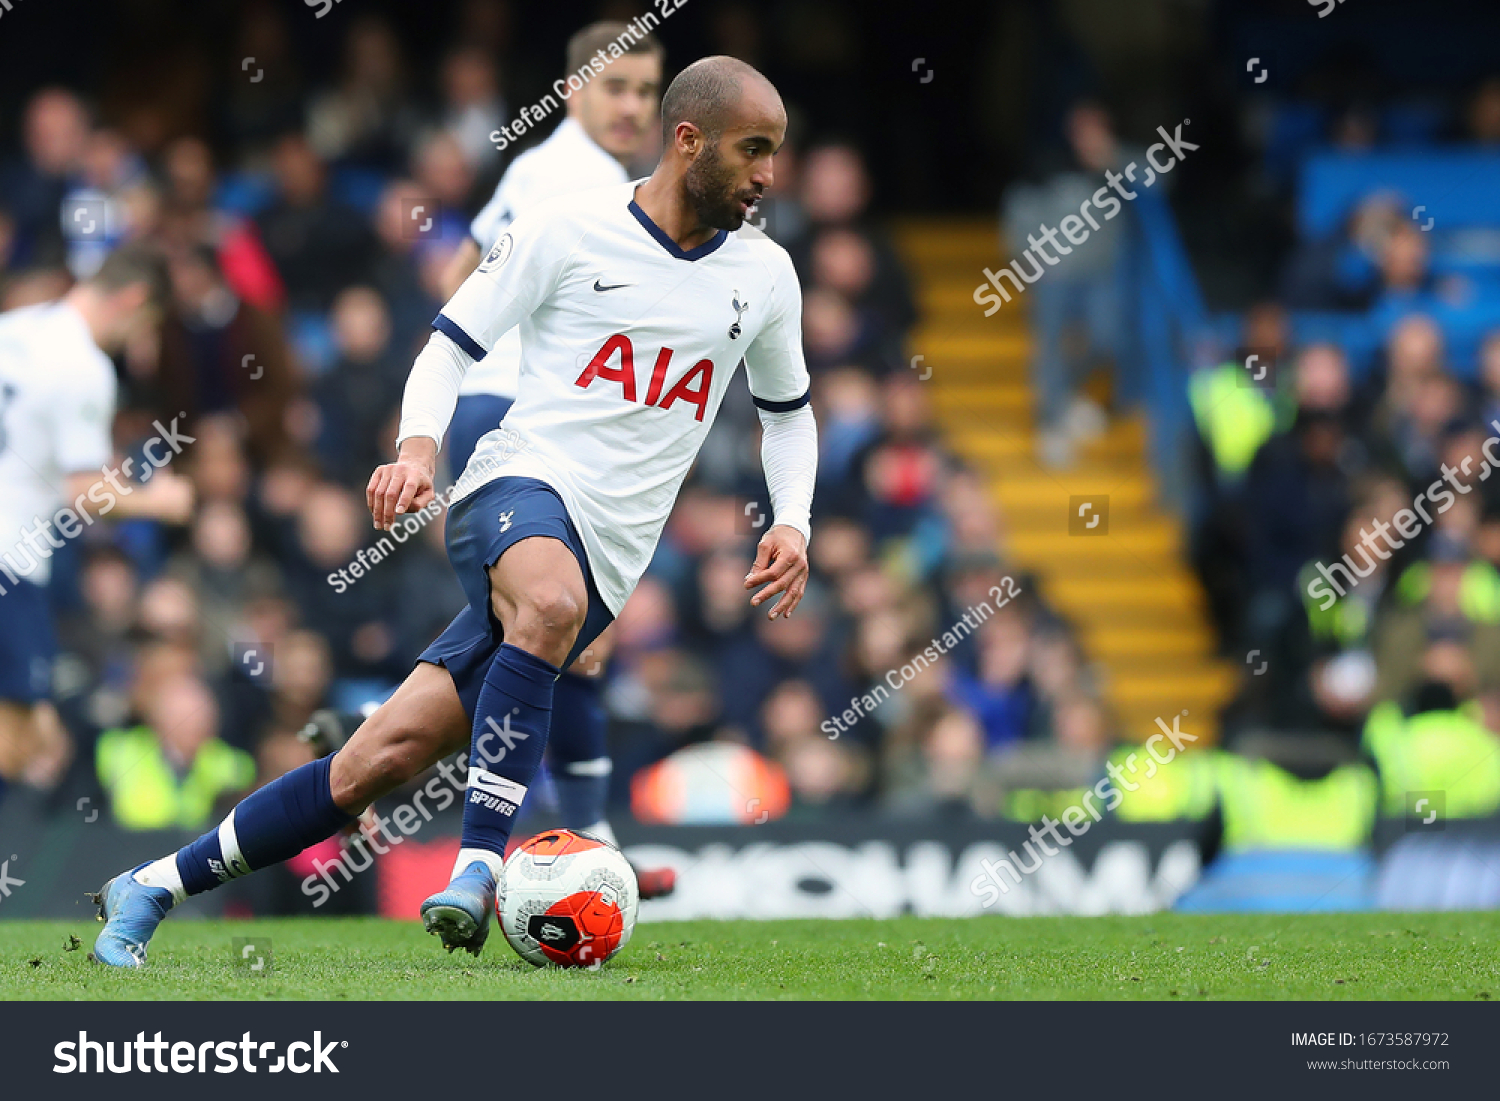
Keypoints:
pixel 608 124
pixel 57 405
pixel 660 294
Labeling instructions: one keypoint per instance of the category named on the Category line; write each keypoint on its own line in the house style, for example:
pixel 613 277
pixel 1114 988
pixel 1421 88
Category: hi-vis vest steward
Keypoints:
pixel 147 794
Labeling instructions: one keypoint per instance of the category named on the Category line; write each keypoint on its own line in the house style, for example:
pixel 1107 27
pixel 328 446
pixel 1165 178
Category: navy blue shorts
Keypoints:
pixel 28 643
pixel 475 416
pixel 482 527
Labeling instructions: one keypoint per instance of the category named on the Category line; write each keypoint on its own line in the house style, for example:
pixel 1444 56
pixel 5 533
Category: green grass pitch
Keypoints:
pixel 1157 956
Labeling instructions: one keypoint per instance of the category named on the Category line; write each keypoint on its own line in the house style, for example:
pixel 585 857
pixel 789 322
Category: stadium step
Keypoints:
pixel 1138 609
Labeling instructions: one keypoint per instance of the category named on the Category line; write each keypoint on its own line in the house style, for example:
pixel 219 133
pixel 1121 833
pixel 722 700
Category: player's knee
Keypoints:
pixel 549 617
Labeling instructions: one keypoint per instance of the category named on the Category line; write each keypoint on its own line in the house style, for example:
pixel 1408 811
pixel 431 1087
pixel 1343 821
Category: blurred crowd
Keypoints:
pixel 1348 524
pixel 301 294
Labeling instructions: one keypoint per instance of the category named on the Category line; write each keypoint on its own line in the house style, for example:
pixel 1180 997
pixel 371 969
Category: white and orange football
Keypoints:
pixel 568 899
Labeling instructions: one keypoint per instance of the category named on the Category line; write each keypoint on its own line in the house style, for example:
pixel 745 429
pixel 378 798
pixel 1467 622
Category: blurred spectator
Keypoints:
pixel 896 478
pixel 406 269
pixel 999 695
pixel 841 251
pixel 172 771
pixel 55 133
pixel 1434 744
pixel 1489 383
pixel 848 406
pixel 1237 406
pixel 221 568
pixel 1449 597
pixel 1341 271
pixel 752 662
pixel 301 677
pixel 253 112
pixel 319 244
pixel 111 202
pixel 1082 290
pixel 361 393
pixel 189 220
pixel 442 169
pixel 938 772
pixel 355 615
pixel 220 355
pixel 472 105
pixel 1296 497
pixel 367 118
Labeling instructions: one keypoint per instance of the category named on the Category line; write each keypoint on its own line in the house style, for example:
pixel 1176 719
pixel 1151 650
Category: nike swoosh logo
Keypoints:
pixel 612 287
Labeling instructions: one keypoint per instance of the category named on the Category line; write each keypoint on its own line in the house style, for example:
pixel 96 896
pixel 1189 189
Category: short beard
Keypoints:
pixel 708 184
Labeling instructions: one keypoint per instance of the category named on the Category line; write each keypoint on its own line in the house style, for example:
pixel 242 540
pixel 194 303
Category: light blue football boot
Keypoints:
pixel 131 911
pixel 460 915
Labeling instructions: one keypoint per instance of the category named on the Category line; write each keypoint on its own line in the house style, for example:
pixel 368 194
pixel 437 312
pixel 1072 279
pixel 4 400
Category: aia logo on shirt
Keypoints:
pixel 693 387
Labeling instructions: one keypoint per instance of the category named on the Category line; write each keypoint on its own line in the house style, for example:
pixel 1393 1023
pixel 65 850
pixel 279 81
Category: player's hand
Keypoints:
pixel 781 560
pixel 404 485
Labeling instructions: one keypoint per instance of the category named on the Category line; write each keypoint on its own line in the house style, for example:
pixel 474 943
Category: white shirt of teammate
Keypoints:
pixel 57 402
pixel 568 161
pixel 629 344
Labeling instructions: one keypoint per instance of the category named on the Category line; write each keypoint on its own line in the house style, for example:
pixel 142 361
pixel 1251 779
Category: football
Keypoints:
pixel 568 899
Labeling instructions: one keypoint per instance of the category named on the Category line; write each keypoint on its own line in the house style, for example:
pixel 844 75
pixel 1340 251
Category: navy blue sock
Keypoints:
pixel 510 734
pixel 268 826
pixel 580 750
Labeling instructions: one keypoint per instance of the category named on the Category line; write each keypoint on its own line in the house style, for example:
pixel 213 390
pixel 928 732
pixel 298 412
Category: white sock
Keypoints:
pixel 494 861
pixel 163 873
pixel 601 830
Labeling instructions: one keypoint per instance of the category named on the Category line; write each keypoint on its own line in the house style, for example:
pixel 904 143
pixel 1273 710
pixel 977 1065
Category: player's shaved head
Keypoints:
pixel 709 93
pixel 723 123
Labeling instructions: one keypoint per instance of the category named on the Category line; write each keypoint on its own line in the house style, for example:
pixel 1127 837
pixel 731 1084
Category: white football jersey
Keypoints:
pixel 629 344
pixel 57 402
pixel 568 161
